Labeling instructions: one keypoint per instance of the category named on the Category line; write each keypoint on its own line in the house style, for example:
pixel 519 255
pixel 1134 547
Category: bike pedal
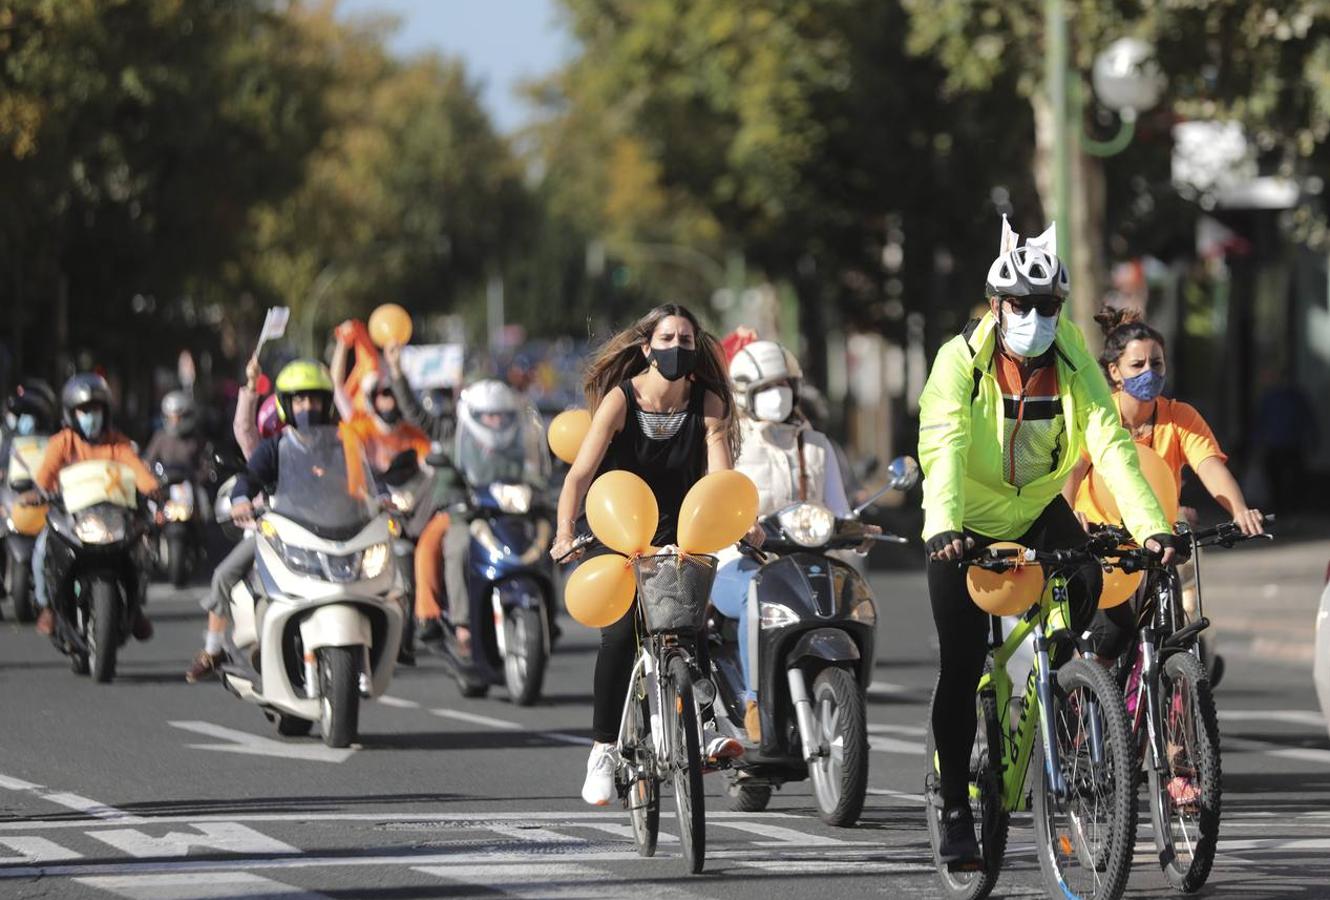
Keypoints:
pixel 966 865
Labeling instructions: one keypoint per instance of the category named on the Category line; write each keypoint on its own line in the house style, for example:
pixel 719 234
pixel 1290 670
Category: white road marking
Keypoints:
pixel 1291 716
pixel 535 835
pixel 35 850
pixel 907 730
pixel 221 837
pixel 835 867
pixel 505 725
pixel 784 837
pixel 1302 754
pixel 171 887
pixel 888 689
pixel 625 832
pixel 884 744
pixel 899 795
pixel 554 880
pixel 256 745
pixel 398 702
pixel 76 802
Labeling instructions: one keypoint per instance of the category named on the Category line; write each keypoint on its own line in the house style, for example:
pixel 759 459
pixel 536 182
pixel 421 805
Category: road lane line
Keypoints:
pixel 555 880
pixel 219 837
pixel 884 744
pixel 178 887
pixel 899 795
pixel 257 745
pixel 625 832
pixel 385 819
pixel 784 837
pixel 533 834
pixel 907 730
pixel 398 703
pixel 1301 754
pixel 836 867
pixel 1291 716
pixel 76 802
pixel 35 850
pixel 505 725
pixel 888 689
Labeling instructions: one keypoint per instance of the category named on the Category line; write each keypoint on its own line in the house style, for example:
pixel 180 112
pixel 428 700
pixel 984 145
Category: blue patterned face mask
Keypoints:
pixel 26 425
pixel 90 422
pixel 1145 386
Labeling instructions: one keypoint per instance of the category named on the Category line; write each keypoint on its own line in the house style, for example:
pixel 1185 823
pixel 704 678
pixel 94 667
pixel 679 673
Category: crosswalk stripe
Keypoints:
pixel 35 850
pixel 554 880
pixel 883 744
pixel 835 867
pixel 780 837
pixel 623 832
pixel 182 886
pixel 76 802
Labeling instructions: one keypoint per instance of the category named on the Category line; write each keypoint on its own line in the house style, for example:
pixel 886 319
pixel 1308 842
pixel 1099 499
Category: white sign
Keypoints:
pixel 433 365
pixel 274 324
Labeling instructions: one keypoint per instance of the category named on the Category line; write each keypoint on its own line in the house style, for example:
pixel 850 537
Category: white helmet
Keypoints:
pixel 488 410
pixel 1032 270
pixel 760 364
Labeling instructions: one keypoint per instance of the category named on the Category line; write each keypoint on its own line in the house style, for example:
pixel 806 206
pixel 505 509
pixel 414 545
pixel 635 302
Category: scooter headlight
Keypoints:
pixel 808 524
pixel 374 561
pixel 514 499
pixel 864 611
pixel 177 512
pixel 94 529
pixel 777 615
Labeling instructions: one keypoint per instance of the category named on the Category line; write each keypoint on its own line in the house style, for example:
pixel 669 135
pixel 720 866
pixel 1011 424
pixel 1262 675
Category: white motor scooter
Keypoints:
pixel 317 624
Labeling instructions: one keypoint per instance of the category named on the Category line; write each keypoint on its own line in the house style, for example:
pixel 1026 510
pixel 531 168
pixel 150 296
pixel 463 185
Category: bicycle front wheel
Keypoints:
pixel 686 764
pixel 1085 828
pixel 639 770
pixel 1185 792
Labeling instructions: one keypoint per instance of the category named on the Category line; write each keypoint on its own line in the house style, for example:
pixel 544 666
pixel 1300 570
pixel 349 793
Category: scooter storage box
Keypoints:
pixel 97 481
pixel 673 591
pixel 25 456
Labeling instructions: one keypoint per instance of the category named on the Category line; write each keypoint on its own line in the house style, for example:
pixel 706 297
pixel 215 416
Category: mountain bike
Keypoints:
pixel 1071 730
pixel 1171 710
pixel 660 731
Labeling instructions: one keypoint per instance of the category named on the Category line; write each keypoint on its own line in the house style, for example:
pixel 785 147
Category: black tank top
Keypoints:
pixel 671 465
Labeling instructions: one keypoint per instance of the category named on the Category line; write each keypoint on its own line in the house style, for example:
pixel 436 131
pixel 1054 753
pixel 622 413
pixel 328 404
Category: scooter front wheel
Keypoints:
pixel 19 586
pixel 103 632
pixel 340 704
pixel 840 771
pixel 524 658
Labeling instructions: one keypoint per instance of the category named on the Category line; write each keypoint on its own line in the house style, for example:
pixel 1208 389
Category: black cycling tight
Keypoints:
pixel 963 633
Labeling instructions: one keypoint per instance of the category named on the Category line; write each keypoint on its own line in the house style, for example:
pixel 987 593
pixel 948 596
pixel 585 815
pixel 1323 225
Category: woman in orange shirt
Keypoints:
pixel 1134 363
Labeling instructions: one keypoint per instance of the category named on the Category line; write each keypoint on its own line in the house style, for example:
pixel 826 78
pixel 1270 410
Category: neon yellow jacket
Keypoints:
pixel 961 431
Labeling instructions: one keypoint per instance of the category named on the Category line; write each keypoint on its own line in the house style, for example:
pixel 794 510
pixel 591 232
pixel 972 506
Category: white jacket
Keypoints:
pixel 770 457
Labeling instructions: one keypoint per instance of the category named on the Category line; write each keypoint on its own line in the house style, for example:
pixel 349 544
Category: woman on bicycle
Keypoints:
pixel 662 409
pixel 1010 405
pixel 1134 363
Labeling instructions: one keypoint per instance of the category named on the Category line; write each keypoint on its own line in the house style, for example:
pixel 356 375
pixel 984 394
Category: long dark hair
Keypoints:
pixel 1121 326
pixel 621 357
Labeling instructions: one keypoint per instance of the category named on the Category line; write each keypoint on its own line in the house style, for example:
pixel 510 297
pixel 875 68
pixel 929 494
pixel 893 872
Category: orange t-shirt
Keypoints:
pixel 67 448
pixel 1179 435
pixel 381 447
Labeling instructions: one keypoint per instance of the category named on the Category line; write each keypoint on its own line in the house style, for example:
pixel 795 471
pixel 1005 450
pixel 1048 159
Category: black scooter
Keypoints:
pixel 179 544
pixel 813 622
pixel 96 569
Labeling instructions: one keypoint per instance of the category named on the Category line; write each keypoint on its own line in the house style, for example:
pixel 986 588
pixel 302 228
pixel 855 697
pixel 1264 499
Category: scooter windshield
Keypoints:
pixel 512 452
pixel 324 482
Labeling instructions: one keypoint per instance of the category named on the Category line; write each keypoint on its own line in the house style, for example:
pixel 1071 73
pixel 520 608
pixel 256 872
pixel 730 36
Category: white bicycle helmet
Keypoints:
pixel 1031 270
pixel 760 364
pixel 488 410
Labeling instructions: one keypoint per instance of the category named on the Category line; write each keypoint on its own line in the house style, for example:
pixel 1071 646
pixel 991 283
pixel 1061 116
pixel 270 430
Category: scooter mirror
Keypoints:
pixel 904 475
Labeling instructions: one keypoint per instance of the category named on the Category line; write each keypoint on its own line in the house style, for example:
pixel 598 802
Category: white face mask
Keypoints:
pixel 1030 334
pixel 773 404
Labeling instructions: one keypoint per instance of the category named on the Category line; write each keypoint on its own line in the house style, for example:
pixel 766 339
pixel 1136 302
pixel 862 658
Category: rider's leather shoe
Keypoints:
pixel 142 627
pixel 204 664
pixel 46 621
pixel 958 849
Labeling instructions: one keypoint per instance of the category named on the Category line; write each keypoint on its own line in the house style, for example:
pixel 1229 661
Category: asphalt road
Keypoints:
pixel 152 788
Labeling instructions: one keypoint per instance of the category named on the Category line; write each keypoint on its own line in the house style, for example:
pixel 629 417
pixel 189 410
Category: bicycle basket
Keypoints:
pixel 673 590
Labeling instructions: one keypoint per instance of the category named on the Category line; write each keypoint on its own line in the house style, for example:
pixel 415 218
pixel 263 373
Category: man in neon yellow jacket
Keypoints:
pixel 1010 405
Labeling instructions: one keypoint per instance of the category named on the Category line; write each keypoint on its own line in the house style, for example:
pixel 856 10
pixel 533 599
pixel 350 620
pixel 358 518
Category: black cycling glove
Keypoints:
pixel 1180 546
pixel 940 541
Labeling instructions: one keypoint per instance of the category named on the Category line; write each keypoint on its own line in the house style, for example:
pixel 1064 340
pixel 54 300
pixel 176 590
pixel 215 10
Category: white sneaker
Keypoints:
pixel 598 789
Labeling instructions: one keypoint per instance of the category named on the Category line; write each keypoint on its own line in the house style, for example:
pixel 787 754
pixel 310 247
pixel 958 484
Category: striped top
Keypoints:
pixel 1033 422
pixel 660 426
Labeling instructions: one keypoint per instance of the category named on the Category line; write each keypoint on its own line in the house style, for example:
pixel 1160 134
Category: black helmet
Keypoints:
pixel 82 390
pixel 35 398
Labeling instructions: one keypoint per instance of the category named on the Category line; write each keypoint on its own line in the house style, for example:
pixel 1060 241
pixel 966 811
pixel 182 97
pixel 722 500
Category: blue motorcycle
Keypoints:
pixel 511 587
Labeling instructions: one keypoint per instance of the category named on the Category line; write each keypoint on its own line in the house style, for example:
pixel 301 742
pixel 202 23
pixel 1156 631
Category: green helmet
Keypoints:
pixel 303 376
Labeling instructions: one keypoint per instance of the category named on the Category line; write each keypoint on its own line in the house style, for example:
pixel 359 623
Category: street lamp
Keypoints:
pixel 1128 81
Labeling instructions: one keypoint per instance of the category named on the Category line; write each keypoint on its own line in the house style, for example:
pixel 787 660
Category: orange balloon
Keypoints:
pixel 1008 593
pixel 717 512
pixel 622 512
pixel 1119 586
pixel 389 324
pixel 600 591
pixel 1157 474
pixel 567 432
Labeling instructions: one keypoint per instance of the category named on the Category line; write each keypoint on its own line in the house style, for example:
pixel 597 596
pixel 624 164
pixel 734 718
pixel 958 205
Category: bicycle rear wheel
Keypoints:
pixel 686 764
pixel 1185 796
pixel 985 804
pixel 1085 837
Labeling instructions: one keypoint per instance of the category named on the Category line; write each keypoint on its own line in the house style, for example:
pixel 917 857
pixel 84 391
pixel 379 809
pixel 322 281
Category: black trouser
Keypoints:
pixel 963 633
pixel 614 668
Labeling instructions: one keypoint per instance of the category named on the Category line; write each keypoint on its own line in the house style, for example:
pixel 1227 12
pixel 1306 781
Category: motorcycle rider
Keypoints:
pixel 88 434
pixel 30 411
pixel 178 443
pixel 249 427
pixel 788 461
pixel 1009 406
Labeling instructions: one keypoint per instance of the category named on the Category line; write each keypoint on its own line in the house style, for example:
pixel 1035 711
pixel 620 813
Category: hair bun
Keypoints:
pixel 1111 318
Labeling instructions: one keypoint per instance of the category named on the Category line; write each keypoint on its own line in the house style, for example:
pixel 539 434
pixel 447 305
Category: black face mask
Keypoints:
pixel 391 417
pixel 674 363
